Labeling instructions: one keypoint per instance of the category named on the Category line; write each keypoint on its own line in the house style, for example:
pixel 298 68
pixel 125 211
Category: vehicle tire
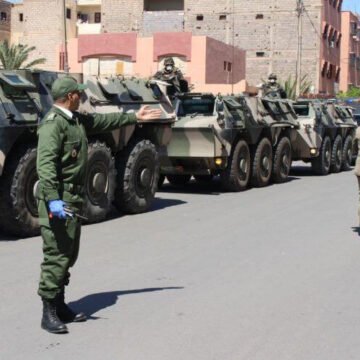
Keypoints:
pixel 18 205
pixel 100 182
pixel 178 180
pixel 262 163
pixel 161 181
pixel 282 161
pixel 137 177
pixel 321 164
pixel 201 179
pixel 336 155
pixel 236 176
pixel 347 153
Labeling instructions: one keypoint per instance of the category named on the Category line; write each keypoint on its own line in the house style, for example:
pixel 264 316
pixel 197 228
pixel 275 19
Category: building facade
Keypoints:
pixel 41 24
pixel 266 29
pixel 5 20
pixel 350 51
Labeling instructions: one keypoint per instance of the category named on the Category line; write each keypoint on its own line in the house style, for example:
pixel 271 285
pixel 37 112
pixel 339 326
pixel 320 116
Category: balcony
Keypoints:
pixel 88 28
pixel 88 2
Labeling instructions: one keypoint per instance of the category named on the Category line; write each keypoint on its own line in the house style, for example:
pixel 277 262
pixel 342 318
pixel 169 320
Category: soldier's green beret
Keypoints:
pixel 65 85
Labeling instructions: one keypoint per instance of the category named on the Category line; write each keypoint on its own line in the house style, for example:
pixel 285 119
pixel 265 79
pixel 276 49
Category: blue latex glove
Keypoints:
pixel 56 208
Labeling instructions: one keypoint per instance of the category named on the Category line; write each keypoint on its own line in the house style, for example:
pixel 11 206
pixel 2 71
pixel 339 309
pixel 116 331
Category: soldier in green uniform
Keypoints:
pixel 273 89
pixel 61 166
pixel 173 76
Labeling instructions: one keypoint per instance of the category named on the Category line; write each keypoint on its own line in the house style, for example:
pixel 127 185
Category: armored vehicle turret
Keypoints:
pixel 123 165
pixel 243 139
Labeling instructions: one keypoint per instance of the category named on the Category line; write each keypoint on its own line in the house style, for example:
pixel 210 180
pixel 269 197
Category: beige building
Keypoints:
pixel 350 51
pixel 40 23
pixel 266 29
pixel 5 20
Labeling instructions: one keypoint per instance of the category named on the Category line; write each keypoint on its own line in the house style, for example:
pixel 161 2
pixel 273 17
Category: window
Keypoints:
pixel 227 66
pixel 325 32
pixel 163 5
pixel 21 17
pixel 353 28
pixel 222 17
pixel 352 59
pixel 260 54
pixel 3 16
pixel 324 69
pixel 199 17
pixel 259 16
pixel 98 17
pixel 68 13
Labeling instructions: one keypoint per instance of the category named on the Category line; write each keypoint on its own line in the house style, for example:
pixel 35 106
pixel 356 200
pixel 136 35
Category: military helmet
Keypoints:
pixel 272 76
pixel 169 61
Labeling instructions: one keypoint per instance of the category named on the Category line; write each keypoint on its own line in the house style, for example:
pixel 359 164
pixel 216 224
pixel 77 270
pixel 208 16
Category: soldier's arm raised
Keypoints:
pixel 48 153
pixel 112 121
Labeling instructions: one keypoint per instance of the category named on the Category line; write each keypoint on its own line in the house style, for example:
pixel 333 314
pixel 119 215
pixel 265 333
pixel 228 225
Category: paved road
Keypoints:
pixel 268 274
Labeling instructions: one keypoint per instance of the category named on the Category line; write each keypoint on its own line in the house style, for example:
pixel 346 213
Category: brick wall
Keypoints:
pixel 5 20
pixel 43 27
pixel 266 29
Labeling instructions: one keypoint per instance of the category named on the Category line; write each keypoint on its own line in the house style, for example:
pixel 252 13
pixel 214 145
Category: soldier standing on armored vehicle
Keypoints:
pixel 61 166
pixel 173 76
pixel 272 88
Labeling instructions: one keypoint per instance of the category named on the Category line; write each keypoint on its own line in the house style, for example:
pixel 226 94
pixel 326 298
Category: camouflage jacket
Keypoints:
pixel 62 150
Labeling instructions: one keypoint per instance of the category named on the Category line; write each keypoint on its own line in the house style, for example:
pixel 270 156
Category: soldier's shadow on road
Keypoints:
pixel 93 303
pixel 356 229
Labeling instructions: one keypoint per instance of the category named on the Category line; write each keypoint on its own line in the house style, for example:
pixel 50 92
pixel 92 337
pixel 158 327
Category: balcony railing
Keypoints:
pixel 86 28
pixel 88 2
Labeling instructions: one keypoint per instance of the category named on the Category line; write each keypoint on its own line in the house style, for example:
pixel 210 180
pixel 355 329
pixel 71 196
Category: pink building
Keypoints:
pixel 208 64
pixel 330 46
pixel 350 51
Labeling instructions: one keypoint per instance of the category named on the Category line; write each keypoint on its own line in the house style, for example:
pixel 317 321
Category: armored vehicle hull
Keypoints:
pixel 122 165
pixel 243 139
pixel 325 137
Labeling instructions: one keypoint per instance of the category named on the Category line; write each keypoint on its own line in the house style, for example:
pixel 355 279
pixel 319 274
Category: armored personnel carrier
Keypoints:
pixel 325 137
pixel 243 139
pixel 123 165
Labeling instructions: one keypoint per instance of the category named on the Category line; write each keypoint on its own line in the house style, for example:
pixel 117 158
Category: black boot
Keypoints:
pixel 50 321
pixel 63 311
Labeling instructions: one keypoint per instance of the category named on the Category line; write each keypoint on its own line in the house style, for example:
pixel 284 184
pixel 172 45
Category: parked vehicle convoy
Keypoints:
pixel 241 138
pixel 325 136
pixel 123 165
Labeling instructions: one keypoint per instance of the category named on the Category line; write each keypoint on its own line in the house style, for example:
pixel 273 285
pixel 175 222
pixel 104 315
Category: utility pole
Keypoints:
pixel 66 60
pixel 299 10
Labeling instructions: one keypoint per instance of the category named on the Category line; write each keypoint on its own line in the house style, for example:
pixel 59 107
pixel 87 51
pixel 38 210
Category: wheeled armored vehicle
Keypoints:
pixel 123 165
pixel 241 138
pixel 325 136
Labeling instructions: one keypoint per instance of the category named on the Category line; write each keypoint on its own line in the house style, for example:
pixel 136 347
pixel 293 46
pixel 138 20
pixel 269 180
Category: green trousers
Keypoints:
pixel 61 241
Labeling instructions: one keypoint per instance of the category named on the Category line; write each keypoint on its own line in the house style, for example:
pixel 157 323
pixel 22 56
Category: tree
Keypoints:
pixel 15 56
pixel 353 92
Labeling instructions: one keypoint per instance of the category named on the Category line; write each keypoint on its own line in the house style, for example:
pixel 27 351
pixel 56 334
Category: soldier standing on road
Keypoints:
pixel 61 166
pixel 357 167
pixel 173 76
pixel 272 88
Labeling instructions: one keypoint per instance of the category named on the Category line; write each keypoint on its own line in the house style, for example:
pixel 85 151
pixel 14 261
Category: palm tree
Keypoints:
pixel 14 56
pixel 290 87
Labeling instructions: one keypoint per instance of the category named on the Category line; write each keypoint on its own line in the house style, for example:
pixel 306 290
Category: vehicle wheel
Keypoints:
pixel 347 153
pixel 336 155
pixel 262 163
pixel 137 177
pixel 100 182
pixel 178 180
pixel 201 179
pixel 282 161
pixel 19 212
pixel 237 174
pixel 161 181
pixel 321 164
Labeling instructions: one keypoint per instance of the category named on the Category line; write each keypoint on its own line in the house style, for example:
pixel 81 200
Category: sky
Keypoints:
pixel 352 5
